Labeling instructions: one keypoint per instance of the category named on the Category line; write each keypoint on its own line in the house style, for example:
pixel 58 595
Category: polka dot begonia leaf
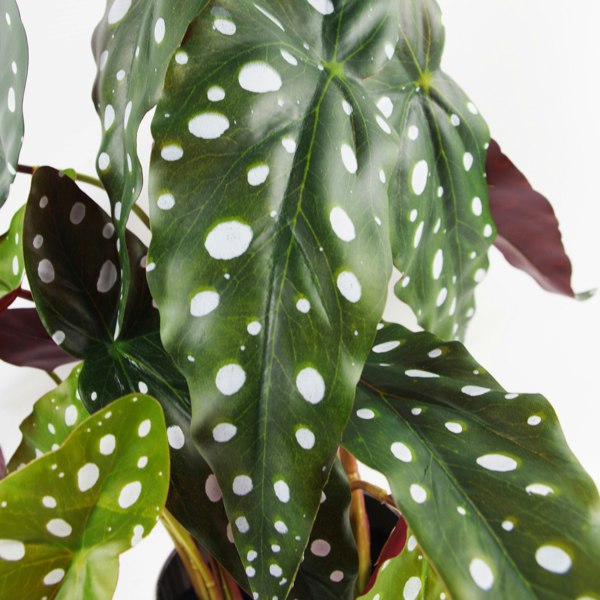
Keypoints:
pixel 11 254
pixel 132 45
pixel 270 258
pixel 441 227
pixel 55 415
pixel 66 517
pixel 484 478
pixel 13 74
pixel 407 576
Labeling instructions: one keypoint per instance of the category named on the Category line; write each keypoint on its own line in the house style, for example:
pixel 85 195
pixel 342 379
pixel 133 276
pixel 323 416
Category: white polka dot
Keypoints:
pixel 421 374
pixel 108 231
pixel 349 286
pixel 441 297
pixel 53 577
pixel 250 571
pixel 320 548
pixel 508 525
pixel 259 77
pixel 208 125
pixel 144 428
pixel 59 528
pixel 418 493
pixel 107 444
pixel 383 124
pixel 477 206
pixel 258 175
pixel 539 489
pixel 242 485
pixel 242 525
pixel 282 491
pixel 386 106
pixel 310 384
pixel 12 103
pixel 474 390
pixel 325 7
pixel 482 574
pixel 71 415
pixel 224 432
pixel 224 26
pixel 107 278
pixel 342 224
pixel 58 337
pixel 228 240
pixel 438 263
pixel 349 159
pixel 497 462
pixel 215 93
pixel 212 489
pixel 386 346
pixel 472 108
pixel 175 437
pixel 401 452
pixel 109 116
pixel 337 576
pixel 418 234
pixel 347 107
pixel 455 120
pixel 435 353
pixel 87 476
pixel 365 413
pixel 289 145
pixel 103 161
pixel 467 161
pixel 413 132
pixel 49 502
pixel 553 559
pixel 254 328
pixel 142 462
pixel 203 303
pixel 127 114
pixel 171 153
pixel 130 494
pixel 11 550
pixel 453 427
pixel 305 438
pixel 534 420
pixel 419 177
pixel 275 570
pixel 303 305
pixel 159 30
pixel 118 10
pixel 280 527
pixel 46 271
pixel 488 231
pixel 289 58
pixel 412 588
pixel 230 379
pixel 165 201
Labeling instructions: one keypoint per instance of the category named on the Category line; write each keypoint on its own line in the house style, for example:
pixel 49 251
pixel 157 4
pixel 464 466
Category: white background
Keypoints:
pixel 531 67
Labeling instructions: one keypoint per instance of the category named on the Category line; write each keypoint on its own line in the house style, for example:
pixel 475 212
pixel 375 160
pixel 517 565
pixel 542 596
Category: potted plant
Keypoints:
pixel 229 377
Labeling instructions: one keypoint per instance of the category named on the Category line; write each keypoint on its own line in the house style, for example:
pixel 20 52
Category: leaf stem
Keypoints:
pixel 377 493
pixel 203 580
pixel 141 215
pixel 25 294
pixel 359 520
pixel 54 377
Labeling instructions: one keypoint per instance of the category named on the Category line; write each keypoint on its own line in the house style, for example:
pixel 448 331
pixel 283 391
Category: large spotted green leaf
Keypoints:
pixel 66 517
pixel 54 417
pixel 408 573
pixel 484 478
pixel 441 226
pixel 11 254
pixel 270 253
pixel 132 45
pixel 13 74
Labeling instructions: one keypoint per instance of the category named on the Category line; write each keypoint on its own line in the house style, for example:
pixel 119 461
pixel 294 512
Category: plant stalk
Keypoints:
pixel 54 377
pixel 202 578
pixel 359 521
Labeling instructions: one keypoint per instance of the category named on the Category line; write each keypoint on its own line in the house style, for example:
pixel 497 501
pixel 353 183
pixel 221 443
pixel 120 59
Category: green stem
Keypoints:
pixel 87 179
pixel 54 377
pixel 141 215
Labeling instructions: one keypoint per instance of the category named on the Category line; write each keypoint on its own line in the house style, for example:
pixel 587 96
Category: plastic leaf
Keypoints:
pixel 528 231
pixel 408 573
pixel 132 45
pixel 485 479
pixel 54 417
pixel 66 517
pixel 13 74
pixel 25 343
pixel 282 220
pixel 11 254
pixel 440 222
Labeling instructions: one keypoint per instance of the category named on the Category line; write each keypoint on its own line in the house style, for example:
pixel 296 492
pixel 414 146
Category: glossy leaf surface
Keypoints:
pixel 441 227
pixel 13 74
pixel 528 231
pixel 132 45
pixel 485 479
pixel 408 573
pixel 67 516
pixel 55 415
pixel 25 343
pixel 11 254
pixel 282 220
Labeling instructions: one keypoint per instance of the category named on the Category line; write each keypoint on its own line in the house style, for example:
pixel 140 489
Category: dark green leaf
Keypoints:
pixel 441 226
pixel 132 45
pixel 54 417
pixel 67 516
pixel 485 479
pixel 270 258
pixel 11 254
pixel 13 74
pixel 410 572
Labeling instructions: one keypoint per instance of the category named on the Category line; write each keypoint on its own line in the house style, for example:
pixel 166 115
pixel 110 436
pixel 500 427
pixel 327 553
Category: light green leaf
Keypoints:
pixel 132 44
pixel 54 417
pixel 13 74
pixel 270 258
pixel 66 517
pixel 11 255
pixel 409 572
pixel 441 225
pixel 485 479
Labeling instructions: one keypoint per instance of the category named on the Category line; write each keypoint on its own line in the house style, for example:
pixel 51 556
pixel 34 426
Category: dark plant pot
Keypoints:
pixel 174 584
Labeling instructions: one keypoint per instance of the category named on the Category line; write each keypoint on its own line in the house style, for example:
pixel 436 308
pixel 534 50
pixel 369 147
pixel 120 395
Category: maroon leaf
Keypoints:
pixel 7 300
pixel 528 231
pixel 25 343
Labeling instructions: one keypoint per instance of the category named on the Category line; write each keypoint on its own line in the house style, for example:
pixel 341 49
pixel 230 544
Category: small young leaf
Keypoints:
pixel 528 231
pixel 282 220
pixel 66 517
pixel 441 227
pixel 484 478
pixel 13 74
pixel 408 573
pixel 25 343
pixel 54 417
pixel 11 254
